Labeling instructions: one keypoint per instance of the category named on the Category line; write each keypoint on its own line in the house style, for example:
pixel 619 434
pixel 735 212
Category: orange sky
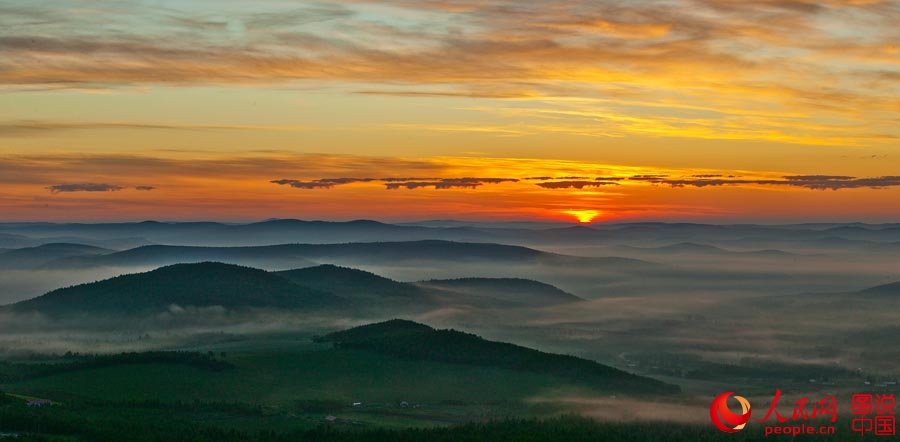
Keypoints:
pixel 770 111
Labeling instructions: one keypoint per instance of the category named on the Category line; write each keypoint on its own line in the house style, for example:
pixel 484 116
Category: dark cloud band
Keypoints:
pixel 393 183
pixel 575 184
pixel 84 187
pixel 814 182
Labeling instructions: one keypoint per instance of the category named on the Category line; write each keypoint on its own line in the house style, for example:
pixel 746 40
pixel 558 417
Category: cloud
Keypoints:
pixel 821 182
pixel 573 177
pixel 650 178
pixel 393 183
pixel 328 183
pixel 575 184
pixel 398 179
pixel 145 188
pixel 317 184
pixel 84 187
pixel 28 127
pixel 813 182
pixel 241 186
pixel 453 94
pixel 734 64
pixel 448 183
pixel 39 169
pixel 565 177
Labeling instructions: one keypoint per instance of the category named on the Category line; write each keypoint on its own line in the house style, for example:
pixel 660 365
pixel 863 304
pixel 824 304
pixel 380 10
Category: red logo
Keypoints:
pixel 723 418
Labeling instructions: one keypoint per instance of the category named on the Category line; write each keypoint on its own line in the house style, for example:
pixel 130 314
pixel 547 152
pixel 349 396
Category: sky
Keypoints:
pixel 572 111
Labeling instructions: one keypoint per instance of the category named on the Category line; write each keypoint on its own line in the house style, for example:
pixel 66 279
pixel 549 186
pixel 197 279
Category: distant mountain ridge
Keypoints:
pixel 306 255
pixel 279 231
pixel 38 256
pixel 702 249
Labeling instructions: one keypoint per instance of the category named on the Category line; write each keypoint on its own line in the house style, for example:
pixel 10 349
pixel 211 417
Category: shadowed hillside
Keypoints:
pixel 350 282
pixel 32 257
pixel 407 339
pixel 512 291
pixel 213 284
pixel 198 285
pixel 892 289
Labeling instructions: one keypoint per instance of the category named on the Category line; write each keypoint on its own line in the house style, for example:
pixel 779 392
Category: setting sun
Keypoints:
pixel 198 188
pixel 583 216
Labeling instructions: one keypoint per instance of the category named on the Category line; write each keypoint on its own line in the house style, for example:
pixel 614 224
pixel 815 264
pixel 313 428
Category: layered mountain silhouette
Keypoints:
pixel 278 231
pixel 235 287
pixel 686 248
pixel 305 255
pixel 35 257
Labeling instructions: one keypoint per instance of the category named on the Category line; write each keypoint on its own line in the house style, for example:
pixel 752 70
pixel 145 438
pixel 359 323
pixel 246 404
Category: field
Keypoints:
pixel 294 384
pixel 285 387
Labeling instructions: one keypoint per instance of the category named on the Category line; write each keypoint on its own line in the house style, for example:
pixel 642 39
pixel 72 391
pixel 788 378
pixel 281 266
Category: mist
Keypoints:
pixel 785 304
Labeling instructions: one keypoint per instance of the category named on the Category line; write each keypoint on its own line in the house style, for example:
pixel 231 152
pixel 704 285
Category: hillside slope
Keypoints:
pixel 351 283
pixel 32 257
pixel 185 285
pixel 517 292
pixel 410 340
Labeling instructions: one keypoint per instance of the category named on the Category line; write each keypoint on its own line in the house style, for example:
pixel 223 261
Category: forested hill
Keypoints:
pixel 351 283
pixel 407 339
pixel 184 285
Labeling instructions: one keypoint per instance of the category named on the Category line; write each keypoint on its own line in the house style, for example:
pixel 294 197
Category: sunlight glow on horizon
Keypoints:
pixel 567 104
pixel 584 216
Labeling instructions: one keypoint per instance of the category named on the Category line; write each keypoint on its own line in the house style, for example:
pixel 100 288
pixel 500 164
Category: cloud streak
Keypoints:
pixel 324 183
pixel 813 182
pixel 575 184
pixel 393 183
pixel 739 66
pixel 84 187
pixel 350 187
pixel 31 127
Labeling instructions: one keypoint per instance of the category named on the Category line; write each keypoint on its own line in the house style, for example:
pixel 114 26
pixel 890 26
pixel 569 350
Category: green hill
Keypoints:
pixel 509 291
pixel 390 374
pixel 210 284
pixel 351 283
pixel 366 287
pixel 406 339
pixel 185 285
pixel 380 330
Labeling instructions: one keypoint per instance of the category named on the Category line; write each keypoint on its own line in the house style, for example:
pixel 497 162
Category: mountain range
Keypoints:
pixel 289 256
pixel 234 287
pixel 279 231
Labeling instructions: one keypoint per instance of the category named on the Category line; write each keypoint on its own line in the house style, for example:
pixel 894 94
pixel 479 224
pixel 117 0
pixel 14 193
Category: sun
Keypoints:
pixel 583 216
